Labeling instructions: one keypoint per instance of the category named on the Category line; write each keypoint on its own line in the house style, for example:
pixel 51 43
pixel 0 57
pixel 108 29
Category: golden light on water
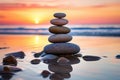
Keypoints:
pixel 37 39
pixel 40 40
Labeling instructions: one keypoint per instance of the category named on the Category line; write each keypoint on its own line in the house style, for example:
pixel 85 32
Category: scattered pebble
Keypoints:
pixel 38 54
pixel 118 56
pixel 7 68
pixel 4 48
pixel 105 56
pixel 19 54
pixel 10 60
pixel 35 61
pixel 91 58
pixel 15 69
pixel 45 73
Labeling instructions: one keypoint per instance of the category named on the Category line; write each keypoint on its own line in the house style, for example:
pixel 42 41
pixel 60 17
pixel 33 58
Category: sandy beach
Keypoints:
pixel 107 68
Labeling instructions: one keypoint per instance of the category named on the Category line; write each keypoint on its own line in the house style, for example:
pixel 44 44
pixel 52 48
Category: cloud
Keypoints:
pixel 63 2
pixel 22 6
pixel 1 16
pixel 12 6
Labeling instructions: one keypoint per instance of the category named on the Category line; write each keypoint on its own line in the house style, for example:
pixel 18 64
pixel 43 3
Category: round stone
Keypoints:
pixel 10 60
pixel 6 69
pixel 59 22
pixel 63 61
pixel 35 61
pixel 60 38
pixel 60 68
pixel 117 56
pixel 59 15
pixel 91 58
pixel 62 49
pixel 59 30
pixel 45 73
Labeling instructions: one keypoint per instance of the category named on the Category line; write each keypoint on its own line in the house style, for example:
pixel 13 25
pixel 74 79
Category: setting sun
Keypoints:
pixel 37 20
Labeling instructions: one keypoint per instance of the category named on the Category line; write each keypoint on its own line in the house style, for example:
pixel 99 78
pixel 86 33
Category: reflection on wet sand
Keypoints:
pixel 6 76
pixel 61 71
pixel 100 46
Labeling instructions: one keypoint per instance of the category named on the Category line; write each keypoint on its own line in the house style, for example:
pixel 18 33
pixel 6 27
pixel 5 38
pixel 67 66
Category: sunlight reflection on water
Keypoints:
pixel 104 69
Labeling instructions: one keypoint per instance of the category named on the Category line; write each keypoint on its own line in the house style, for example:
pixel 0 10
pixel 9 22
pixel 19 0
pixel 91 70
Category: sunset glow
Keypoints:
pixel 79 12
pixel 37 20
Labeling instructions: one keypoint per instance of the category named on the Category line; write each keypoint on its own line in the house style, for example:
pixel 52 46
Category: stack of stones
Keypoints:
pixel 60 39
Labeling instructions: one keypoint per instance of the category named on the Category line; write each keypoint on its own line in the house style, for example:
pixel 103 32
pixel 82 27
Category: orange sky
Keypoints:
pixel 32 13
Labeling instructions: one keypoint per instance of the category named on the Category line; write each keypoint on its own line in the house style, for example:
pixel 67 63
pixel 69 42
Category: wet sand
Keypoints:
pixel 107 68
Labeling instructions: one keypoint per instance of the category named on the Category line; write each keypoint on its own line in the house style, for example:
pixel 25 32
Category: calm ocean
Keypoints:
pixel 76 30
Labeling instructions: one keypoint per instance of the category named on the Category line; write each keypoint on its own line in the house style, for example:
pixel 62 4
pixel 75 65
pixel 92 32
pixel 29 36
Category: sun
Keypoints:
pixel 37 21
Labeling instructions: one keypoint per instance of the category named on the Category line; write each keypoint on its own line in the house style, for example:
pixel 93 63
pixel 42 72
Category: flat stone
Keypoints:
pixel 59 30
pixel 60 38
pixel 7 68
pixel 35 61
pixel 91 58
pixel 19 54
pixel 59 22
pixel 59 15
pixel 15 69
pixel 118 56
pixel 62 49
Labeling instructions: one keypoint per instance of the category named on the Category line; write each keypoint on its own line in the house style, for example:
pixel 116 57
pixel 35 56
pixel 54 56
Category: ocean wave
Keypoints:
pixel 79 31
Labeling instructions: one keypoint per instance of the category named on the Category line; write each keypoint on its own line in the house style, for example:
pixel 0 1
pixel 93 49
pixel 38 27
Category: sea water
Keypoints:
pixel 76 30
pixel 106 47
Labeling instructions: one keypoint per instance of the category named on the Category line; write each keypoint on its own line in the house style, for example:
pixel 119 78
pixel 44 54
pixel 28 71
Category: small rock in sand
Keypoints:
pixel 8 68
pixel 4 48
pixel 19 54
pixel 14 69
pixel 38 54
pixel 91 58
pixel 10 60
pixel 35 61
pixel 45 73
pixel 118 56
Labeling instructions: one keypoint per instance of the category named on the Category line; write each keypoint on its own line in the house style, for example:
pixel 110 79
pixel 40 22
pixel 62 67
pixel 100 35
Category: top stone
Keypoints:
pixel 59 15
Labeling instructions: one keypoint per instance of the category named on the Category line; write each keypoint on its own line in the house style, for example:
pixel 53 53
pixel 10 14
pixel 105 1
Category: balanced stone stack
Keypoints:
pixel 60 39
